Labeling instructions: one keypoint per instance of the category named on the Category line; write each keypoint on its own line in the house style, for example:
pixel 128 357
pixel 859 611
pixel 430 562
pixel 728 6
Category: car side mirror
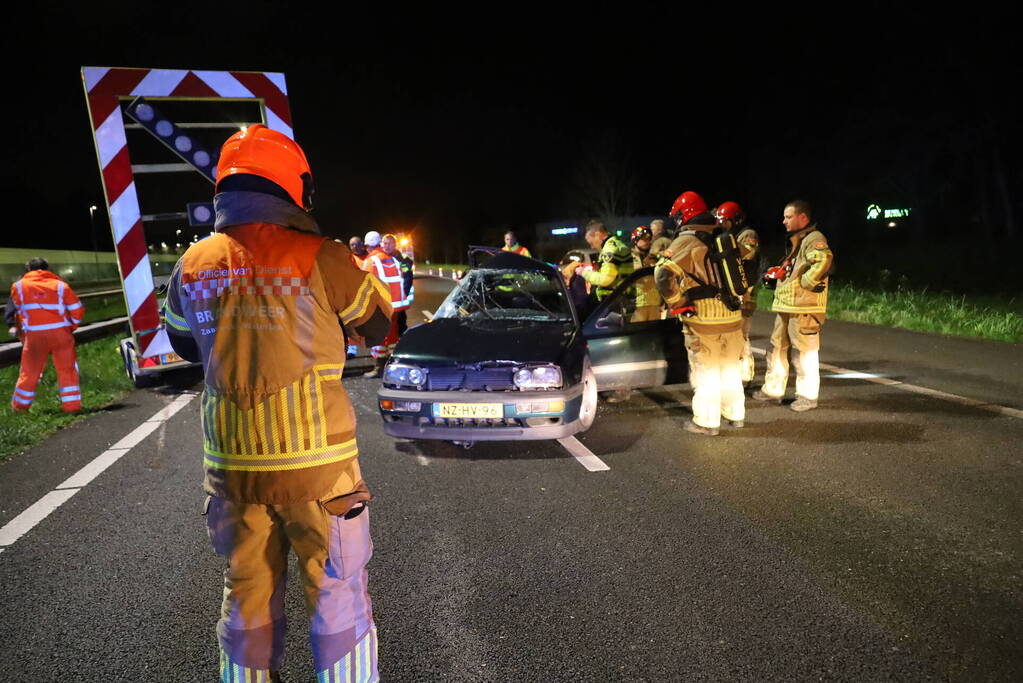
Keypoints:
pixel 611 321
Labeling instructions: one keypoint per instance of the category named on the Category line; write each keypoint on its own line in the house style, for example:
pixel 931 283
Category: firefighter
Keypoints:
pixel 259 303
pixel 660 240
pixel 648 301
pixel 615 261
pixel 713 332
pixel 731 217
pixel 511 243
pixel 43 312
pixel 391 245
pixel 358 249
pixel 387 268
pixel 801 302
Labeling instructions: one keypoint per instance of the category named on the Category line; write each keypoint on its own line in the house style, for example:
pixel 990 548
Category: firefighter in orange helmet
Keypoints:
pixel 732 218
pixel 259 303
pixel 43 311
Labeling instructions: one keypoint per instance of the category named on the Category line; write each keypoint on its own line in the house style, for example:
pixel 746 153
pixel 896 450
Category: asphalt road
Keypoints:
pixel 876 538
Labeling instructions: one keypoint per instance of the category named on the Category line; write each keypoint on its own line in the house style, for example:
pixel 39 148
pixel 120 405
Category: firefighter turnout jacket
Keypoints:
pixel 749 249
pixel 262 302
pixel 805 287
pixel 615 265
pixel 686 265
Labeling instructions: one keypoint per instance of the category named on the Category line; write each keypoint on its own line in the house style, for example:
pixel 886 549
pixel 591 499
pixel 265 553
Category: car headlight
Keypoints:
pixel 538 377
pixel 404 375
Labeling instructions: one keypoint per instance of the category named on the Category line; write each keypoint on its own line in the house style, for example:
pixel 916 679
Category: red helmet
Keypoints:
pixel 687 205
pixel 729 211
pixel 641 233
pixel 261 151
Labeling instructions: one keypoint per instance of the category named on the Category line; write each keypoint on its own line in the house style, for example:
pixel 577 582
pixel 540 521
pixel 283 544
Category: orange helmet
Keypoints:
pixel 687 205
pixel 729 211
pixel 267 153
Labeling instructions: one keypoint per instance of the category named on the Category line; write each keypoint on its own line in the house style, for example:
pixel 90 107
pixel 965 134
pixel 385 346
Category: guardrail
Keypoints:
pixel 453 273
pixel 10 354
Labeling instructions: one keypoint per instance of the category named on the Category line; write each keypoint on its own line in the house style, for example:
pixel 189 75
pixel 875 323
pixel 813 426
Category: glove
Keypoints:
pixel 773 276
pixel 685 310
pixel 13 331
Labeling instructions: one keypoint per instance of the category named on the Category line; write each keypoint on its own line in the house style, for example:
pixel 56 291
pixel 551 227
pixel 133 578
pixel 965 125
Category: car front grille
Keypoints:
pixel 484 379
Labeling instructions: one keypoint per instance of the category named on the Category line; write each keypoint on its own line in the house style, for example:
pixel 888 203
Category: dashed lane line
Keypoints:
pixel 845 373
pixel 583 454
pixel 41 509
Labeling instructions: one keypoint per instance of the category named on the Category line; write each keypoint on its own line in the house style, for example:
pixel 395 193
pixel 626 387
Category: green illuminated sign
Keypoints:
pixel 874 212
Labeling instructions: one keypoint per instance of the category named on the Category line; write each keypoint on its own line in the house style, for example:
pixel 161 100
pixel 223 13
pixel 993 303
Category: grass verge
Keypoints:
pixel 101 376
pixel 999 319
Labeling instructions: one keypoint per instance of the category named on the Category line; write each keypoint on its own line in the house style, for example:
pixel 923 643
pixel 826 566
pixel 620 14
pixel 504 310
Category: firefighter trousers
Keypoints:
pixel 714 374
pixel 802 332
pixel 35 351
pixel 332 553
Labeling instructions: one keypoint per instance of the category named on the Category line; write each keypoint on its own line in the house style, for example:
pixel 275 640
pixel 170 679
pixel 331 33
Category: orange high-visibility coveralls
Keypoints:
pixel 48 311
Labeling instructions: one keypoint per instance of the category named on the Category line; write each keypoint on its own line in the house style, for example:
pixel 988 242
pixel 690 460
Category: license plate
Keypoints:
pixel 471 410
pixel 166 358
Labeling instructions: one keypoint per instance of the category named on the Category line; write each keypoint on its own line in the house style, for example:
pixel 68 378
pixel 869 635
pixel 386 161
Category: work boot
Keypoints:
pixel 691 426
pixel 759 395
pixel 378 368
pixel 801 404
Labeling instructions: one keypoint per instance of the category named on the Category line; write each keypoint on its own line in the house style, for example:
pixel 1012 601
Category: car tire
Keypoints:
pixel 588 407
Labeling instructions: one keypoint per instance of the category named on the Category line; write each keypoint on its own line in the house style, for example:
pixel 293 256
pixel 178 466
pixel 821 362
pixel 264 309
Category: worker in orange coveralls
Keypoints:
pixel 261 303
pixel 43 311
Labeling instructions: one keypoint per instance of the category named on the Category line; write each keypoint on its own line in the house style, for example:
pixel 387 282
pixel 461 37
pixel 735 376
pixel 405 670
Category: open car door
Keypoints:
pixel 630 345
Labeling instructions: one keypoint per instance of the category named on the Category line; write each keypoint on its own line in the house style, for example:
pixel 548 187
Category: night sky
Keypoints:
pixel 460 125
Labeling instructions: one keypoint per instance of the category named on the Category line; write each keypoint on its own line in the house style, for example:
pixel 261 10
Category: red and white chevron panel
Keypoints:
pixel 104 87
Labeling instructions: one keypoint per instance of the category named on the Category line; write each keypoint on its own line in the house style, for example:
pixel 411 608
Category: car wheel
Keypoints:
pixel 588 407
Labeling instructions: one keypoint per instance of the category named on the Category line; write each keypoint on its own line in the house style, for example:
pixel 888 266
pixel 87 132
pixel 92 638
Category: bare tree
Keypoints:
pixel 606 184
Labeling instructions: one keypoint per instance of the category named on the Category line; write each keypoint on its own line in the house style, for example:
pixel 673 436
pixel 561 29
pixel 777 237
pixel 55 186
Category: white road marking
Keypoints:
pixel 583 454
pixel 40 510
pixel 845 373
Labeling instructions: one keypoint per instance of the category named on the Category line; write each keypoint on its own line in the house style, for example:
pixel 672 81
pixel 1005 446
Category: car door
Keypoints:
pixel 632 340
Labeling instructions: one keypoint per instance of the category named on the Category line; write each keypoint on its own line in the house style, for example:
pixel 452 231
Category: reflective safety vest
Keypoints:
pixel 518 249
pixel 388 270
pixel 45 302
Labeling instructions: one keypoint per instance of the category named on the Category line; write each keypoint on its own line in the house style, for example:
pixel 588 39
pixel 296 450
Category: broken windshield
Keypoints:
pixel 507 295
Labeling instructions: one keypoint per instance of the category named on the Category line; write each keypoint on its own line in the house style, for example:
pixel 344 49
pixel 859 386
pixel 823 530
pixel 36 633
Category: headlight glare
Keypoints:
pixel 404 375
pixel 538 377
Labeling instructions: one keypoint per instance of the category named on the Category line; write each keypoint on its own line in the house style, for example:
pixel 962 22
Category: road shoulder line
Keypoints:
pixel 943 395
pixel 41 509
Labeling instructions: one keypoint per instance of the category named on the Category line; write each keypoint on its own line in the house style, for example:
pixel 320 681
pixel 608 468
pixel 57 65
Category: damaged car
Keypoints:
pixel 508 356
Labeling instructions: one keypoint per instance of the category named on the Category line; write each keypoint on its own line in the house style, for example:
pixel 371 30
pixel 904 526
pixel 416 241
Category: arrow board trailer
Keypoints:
pixel 158 133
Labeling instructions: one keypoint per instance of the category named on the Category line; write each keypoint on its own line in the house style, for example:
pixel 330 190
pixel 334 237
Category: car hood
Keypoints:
pixel 461 342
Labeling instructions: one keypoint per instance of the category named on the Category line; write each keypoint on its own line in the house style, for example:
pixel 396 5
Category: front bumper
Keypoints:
pixel 514 425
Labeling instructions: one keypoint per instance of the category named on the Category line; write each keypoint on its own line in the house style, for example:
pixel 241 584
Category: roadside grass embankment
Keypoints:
pixel 103 381
pixel 985 317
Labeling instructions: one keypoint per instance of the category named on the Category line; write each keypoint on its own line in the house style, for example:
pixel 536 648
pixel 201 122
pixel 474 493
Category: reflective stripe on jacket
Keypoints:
pixel 388 270
pixel 615 265
pixel 681 263
pixel 264 304
pixel 45 302
pixel 810 258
